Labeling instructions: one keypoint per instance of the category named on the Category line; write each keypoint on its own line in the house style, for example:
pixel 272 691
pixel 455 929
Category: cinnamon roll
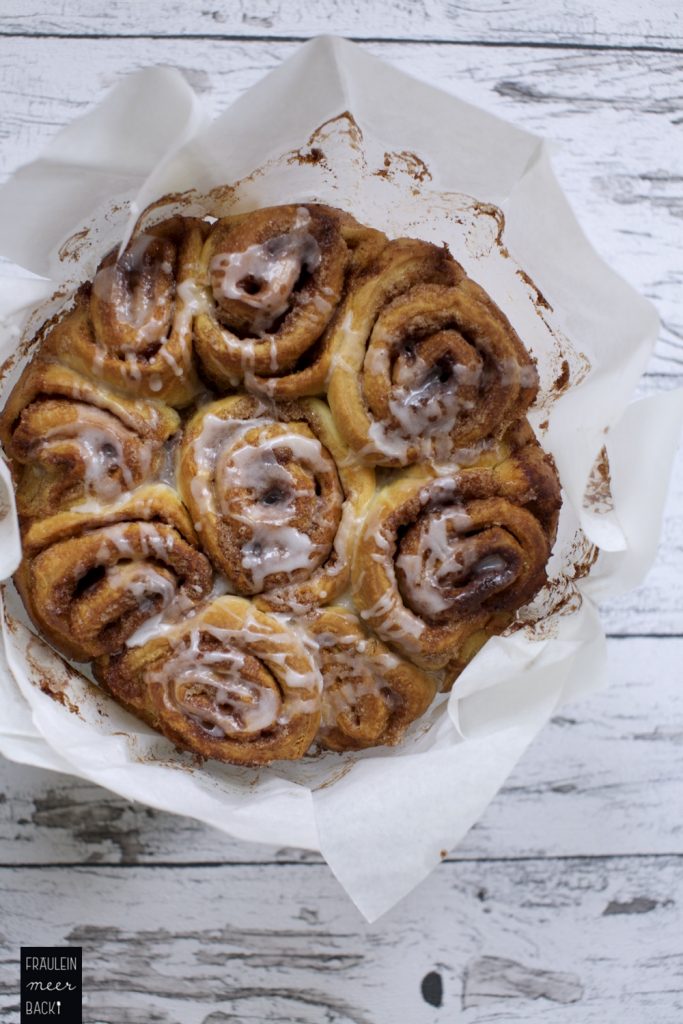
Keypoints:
pixel 274 498
pixel 229 683
pixel 427 363
pixel 90 579
pixel 72 439
pixel 274 280
pixel 443 562
pixel 370 696
pixel 131 327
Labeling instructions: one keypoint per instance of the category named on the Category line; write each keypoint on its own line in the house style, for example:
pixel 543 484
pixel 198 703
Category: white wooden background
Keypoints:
pixel 564 903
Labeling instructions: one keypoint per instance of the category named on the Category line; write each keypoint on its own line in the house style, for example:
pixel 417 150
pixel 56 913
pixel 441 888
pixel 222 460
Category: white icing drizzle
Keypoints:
pixel 150 542
pixel 350 675
pixel 511 372
pixel 439 558
pixel 339 357
pixel 166 621
pixel 144 582
pixel 216 435
pixel 143 308
pixel 239 706
pixel 101 452
pixel 227 462
pixel 130 367
pixel 322 305
pixel 263 276
pixel 167 467
pixel 168 357
pixel 150 316
pixel 159 624
pixel 388 616
pixel 422 415
pixel 98 359
pixel 242 707
pixel 193 299
pixel 424 408
pixel 274 550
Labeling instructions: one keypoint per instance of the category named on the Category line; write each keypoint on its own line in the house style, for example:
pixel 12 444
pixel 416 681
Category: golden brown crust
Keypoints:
pixel 275 498
pixel 273 329
pixel 370 696
pixel 72 439
pixel 89 580
pixel 442 559
pixel 426 363
pixel 230 683
pixel 131 328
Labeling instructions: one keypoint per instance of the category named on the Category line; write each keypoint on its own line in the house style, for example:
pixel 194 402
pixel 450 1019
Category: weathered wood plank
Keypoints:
pixel 615 117
pixel 602 778
pixel 569 941
pixel 559 21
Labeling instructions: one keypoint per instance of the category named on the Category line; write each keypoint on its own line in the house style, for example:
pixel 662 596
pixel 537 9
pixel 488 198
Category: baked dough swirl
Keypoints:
pixel 274 279
pixel 427 363
pixel 274 498
pixel 90 579
pixel 229 683
pixel 72 439
pixel 445 561
pixel 370 696
pixel 131 328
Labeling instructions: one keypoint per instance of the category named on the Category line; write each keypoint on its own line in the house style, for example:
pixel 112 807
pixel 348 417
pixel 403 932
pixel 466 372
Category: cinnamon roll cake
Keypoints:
pixel 275 480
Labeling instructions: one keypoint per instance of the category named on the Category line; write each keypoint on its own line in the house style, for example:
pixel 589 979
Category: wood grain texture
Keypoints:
pixel 603 778
pixel 568 941
pixel 628 23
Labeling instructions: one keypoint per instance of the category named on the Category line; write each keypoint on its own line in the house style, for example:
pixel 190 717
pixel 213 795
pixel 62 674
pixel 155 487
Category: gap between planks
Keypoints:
pixel 317 861
pixel 396 40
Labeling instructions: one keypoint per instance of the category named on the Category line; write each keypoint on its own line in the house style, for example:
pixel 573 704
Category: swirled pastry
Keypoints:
pixel 274 497
pixel 370 696
pixel 427 363
pixel 91 579
pixel 72 439
pixel 274 281
pixel 275 480
pixel 131 327
pixel 229 683
pixel 445 561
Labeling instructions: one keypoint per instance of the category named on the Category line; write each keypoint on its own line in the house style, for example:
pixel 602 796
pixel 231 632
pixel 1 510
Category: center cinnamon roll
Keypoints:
pixel 272 497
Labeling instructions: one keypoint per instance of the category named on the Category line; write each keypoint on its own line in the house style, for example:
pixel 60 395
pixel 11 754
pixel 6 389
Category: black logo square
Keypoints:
pixel 51 985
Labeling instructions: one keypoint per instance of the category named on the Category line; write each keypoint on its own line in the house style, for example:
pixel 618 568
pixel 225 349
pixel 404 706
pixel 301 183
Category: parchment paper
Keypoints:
pixel 334 124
